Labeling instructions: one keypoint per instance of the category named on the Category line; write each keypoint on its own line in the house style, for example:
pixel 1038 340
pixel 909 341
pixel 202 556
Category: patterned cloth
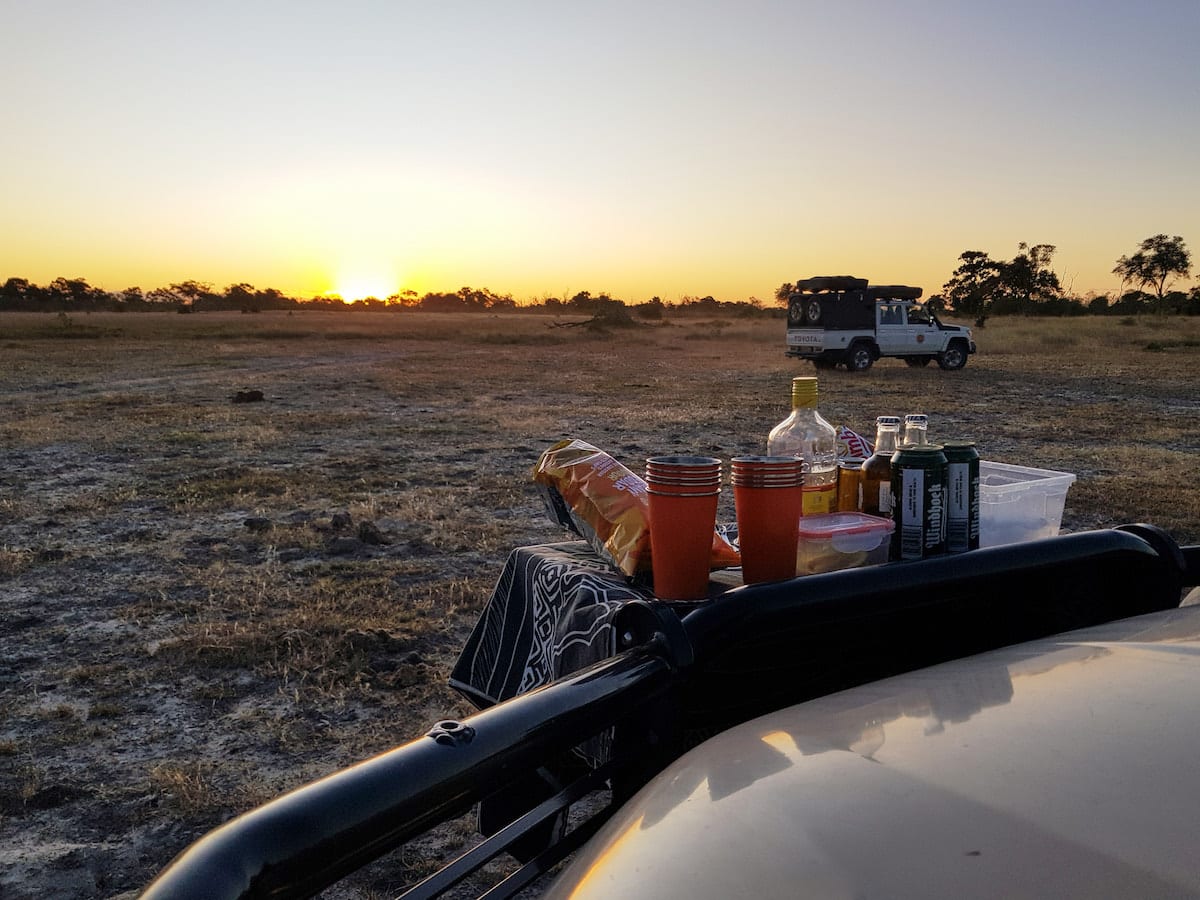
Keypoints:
pixel 549 615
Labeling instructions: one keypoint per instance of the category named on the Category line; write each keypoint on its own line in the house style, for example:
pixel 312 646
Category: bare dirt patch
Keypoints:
pixel 206 602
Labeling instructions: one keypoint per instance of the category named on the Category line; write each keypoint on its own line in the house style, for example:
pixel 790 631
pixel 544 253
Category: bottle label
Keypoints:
pixel 885 498
pixel 912 514
pixel 958 507
pixel 962 507
pixel 820 499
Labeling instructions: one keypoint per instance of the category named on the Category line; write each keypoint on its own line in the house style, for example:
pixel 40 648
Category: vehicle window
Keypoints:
pixel 889 315
pixel 918 317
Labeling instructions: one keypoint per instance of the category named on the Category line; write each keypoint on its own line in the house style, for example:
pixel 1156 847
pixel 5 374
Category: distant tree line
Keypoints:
pixel 978 288
pixel 76 295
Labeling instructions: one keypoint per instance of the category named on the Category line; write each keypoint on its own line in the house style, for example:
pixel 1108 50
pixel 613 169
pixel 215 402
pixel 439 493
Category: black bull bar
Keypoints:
pixel 679 676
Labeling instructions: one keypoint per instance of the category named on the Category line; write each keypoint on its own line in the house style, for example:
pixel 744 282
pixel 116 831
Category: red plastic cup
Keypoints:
pixel 697 489
pixel 682 468
pixel 683 474
pixel 757 469
pixel 681 541
pixel 682 492
pixel 768 498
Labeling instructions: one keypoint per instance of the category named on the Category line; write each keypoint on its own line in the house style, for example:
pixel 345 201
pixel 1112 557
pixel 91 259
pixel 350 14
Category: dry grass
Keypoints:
pixel 207 603
pixel 14 561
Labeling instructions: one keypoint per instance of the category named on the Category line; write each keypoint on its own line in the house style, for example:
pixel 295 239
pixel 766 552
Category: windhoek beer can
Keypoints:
pixel 962 497
pixel 919 501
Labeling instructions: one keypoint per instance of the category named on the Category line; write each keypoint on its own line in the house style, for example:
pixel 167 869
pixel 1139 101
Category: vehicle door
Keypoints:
pixel 921 333
pixel 890 328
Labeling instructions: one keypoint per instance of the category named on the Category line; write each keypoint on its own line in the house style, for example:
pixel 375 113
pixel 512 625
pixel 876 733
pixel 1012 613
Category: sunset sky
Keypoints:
pixel 635 148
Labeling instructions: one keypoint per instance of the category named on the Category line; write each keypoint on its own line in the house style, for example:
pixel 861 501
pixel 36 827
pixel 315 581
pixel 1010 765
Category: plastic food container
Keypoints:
pixel 842 540
pixel 1017 503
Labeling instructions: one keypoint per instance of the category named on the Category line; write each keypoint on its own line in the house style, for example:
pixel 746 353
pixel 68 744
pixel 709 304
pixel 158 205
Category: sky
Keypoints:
pixel 634 148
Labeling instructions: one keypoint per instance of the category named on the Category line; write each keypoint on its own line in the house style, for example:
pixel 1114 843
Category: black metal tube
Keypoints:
pixel 306 840
pixel 766 646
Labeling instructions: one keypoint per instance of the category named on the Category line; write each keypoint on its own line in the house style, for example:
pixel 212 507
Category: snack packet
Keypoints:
pixel 602 501
pixel 852 444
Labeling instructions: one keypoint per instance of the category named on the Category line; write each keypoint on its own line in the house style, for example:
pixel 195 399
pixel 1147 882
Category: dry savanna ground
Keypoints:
pixel 205 603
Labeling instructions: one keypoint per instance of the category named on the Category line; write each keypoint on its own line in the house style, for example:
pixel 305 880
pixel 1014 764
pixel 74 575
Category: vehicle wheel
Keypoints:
pixel 954 356
pixel 917 362
pixel 812 311
pixel 859 357
pixel 796 313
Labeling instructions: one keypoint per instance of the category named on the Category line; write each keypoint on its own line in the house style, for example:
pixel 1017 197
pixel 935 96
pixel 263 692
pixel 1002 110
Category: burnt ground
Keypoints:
pixel 207 599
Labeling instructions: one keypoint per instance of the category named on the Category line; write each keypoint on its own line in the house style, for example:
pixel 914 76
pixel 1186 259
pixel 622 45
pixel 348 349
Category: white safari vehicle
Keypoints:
pixel 842 320
pixel 1016 721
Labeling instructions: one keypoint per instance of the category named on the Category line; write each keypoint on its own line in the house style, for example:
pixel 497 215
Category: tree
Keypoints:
pixel 17 293
pixel 241 296
pixel 271 298
pixel 405 299
pixel 982 286
pixel 76 293
pixel 1130 303
pixel 434 302
pixel 193 294
pixel 973 286
pixel 167 297
pixel 783 293
pixel 1157 259
pixel 651 309
pixel 1027 278
pixel 1193 302
pixel 582 302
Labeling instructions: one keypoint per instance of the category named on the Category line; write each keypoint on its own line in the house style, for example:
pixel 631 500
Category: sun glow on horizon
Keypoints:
pixel 359 285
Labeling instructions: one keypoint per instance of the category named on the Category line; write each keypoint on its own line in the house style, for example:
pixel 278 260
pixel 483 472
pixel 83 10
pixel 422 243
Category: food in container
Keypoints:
pixel 842 540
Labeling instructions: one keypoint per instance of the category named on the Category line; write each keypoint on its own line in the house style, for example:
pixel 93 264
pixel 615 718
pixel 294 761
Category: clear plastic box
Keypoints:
pixel 842 540
pixel 1017 503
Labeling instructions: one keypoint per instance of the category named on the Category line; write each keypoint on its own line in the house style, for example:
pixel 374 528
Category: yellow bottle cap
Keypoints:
pixel 804 391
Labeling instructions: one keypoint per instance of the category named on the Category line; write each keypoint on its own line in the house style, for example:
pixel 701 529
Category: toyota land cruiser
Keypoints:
pixel 836 320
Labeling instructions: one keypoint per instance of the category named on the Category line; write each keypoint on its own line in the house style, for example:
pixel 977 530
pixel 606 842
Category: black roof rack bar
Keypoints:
pixel 487 850
pixel 548 858
pixel 769 646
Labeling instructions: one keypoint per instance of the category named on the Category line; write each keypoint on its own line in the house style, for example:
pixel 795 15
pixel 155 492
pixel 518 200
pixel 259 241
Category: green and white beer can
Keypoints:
pixel 919 502
pixel 962 496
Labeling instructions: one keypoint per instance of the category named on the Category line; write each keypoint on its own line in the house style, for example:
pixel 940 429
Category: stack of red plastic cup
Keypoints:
pixel 683 492
pixel 768 497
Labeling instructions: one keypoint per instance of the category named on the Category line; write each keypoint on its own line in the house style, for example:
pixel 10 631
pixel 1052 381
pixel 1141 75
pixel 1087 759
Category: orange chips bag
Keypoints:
pixel 605 503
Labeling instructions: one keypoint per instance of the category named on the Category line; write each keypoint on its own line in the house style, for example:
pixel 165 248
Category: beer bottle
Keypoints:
pixel 877 470
pixel 806 434
pixel 916 430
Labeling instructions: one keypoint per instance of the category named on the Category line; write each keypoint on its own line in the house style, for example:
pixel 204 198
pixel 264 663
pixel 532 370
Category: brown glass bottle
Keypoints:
pixel 877 470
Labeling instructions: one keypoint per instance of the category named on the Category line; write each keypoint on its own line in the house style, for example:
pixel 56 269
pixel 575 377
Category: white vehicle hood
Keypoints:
pixel 1067 767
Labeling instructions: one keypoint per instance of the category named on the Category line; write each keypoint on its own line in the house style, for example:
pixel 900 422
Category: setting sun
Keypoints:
pixel 360 285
